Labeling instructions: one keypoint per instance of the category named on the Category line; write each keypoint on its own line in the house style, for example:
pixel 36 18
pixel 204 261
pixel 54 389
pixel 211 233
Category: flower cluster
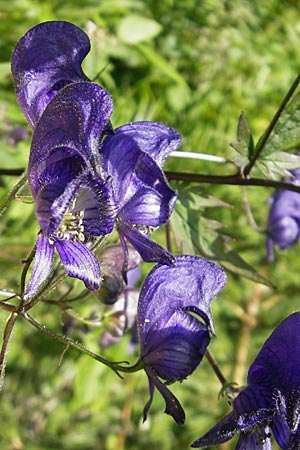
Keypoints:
pixel 284 218
pixel 88 179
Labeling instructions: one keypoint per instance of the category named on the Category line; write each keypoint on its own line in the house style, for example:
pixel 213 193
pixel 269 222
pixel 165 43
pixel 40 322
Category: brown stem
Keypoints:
pixel 234 180
pixel 215 367
pixel 271 126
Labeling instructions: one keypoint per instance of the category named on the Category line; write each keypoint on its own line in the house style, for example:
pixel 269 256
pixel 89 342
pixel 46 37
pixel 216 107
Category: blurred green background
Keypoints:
pixel 194 65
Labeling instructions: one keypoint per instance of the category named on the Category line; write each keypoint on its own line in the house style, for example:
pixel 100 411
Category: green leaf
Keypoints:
pixel 213 245
pixel 244 144
pixel 194 233
pixel 286 133
pixel 278 164
pixel 134 29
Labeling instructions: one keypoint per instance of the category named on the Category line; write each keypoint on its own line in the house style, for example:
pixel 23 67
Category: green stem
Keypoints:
pixel 116 367
pixel 215 368
pixel 11 195
pixel 6 338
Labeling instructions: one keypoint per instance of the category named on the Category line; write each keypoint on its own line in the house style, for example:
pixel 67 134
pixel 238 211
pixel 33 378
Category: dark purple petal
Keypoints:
pixel 60 167
pixel 173 407
pixel 46 58
pixel 222 432
pixel 149 250
pixel 175 350
pixel 148 207
pixel 153 138
pixel 281 431
pixel 191 282
pixel 80 262
pixel 278 362
pixel 139 185
pixel 75 119
pixel 259 439
pixel 41 267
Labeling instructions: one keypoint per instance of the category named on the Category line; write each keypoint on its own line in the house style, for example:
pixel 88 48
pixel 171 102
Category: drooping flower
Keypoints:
pixel 133 157
pixel 284 218
pixel 175 323
pixel 45 59
pixel 72 198
pixel 271 401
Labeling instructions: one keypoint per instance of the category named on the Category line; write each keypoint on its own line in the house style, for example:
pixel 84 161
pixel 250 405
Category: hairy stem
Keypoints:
pixel 11 195
pixel 116 367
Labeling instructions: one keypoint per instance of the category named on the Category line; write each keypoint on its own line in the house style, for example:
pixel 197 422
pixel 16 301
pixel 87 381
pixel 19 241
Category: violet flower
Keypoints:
pixel 284 218
pixel 271 401
pixel 133 157
pixel 175 323
pixel 45 59
pixel 72 199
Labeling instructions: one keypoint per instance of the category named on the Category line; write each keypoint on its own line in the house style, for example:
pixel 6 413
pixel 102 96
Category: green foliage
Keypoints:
pixel 193 65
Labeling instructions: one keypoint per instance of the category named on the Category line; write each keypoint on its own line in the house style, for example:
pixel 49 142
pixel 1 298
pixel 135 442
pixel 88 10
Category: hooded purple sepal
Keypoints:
pixel 47 58
pixel 41 267
pixel 272 398
pixel 64 168
pixel 172 340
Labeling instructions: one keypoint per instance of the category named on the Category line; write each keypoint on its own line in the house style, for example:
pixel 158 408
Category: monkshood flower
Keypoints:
pixel 133 157
pixel 175 323
pixel 271 401
pixel 45 59
pixel 72 199
pixel 284 218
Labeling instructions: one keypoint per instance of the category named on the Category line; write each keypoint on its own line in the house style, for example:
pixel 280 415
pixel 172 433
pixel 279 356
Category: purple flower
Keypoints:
pixel 284 218
pixel 82 183
pixel 133 157
pixel 72 198
pixel 46 58
pixel 174 323
pixel 271 401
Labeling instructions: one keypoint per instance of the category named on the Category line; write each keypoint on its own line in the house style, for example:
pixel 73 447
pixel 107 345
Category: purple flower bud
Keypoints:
pixel 284 218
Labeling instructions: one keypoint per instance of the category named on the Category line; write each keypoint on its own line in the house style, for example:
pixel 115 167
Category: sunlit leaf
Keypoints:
pixel 278 164
pixel 244 144
pixel 286 133
pixel 133 29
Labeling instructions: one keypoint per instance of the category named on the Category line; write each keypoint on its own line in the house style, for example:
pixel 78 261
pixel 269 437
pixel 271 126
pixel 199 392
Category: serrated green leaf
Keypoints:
pixel 215 246
pixel 278 164
pixel 286 133
pixel 244 144
pixel 194 233
pixel 181 230
pixel 134 29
